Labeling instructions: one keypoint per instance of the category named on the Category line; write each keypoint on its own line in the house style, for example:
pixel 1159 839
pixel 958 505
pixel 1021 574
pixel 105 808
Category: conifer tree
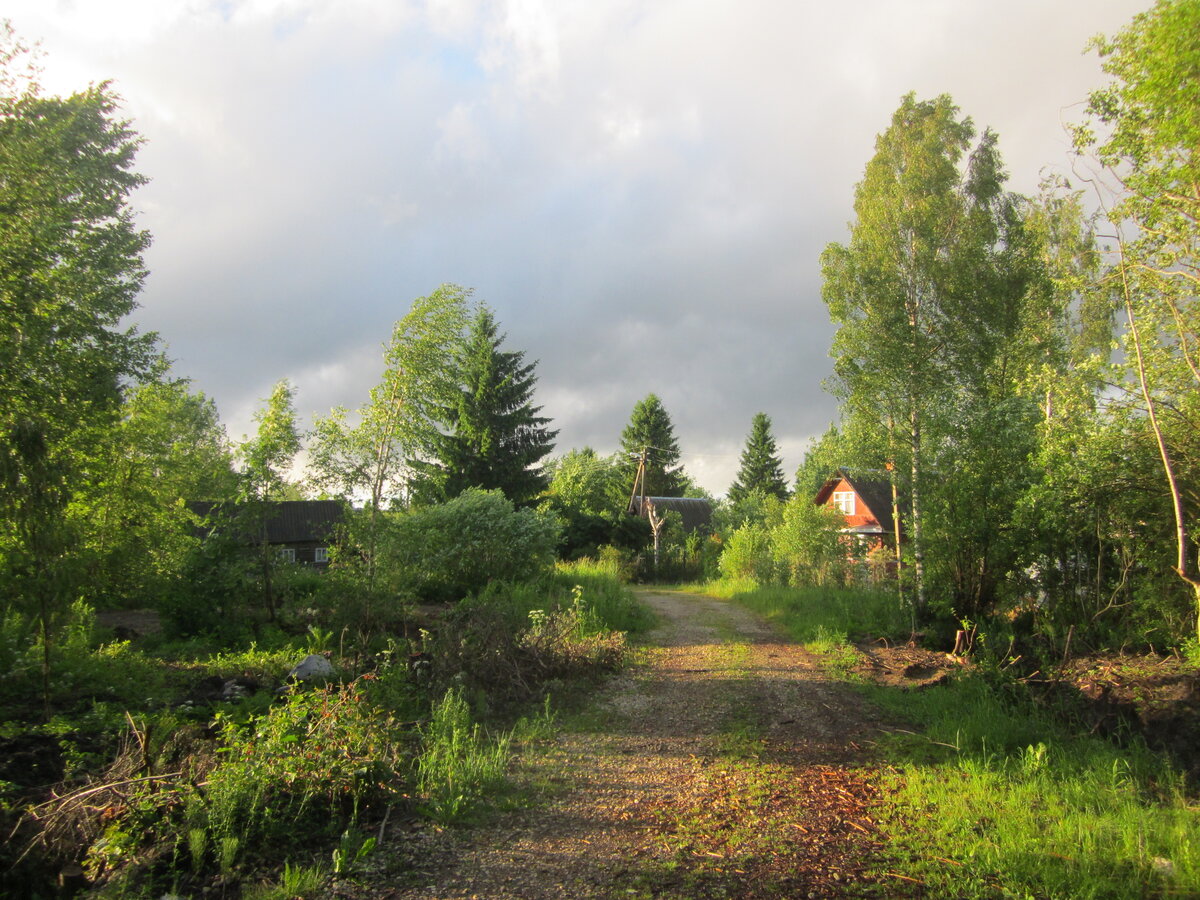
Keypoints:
pixel 650 429
pixel 761 469
pixel 493 437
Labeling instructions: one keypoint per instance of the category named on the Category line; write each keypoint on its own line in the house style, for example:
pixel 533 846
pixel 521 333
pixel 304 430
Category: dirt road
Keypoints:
pixel 725 764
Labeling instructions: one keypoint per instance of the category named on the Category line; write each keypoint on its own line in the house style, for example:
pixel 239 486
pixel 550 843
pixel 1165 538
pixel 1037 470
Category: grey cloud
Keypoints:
pixel 641 191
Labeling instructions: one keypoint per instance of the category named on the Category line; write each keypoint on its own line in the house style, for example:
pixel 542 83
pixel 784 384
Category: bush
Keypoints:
pixel 300 771
pixel 448 551
pixel 507 642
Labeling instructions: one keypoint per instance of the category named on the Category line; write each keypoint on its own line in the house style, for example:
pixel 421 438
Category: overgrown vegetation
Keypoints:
pixel 1045 493
pixel 995 786
pixel 190 763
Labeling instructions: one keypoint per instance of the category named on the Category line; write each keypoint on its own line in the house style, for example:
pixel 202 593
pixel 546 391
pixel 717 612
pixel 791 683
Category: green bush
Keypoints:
pixel 300 771
pixel 448 551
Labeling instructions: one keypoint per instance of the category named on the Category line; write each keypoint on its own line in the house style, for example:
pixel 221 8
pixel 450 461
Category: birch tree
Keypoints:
pixel 1142 137
pixel 368 456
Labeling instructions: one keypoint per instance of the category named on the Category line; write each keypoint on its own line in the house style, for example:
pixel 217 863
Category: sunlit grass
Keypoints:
pixel 998 794
pixel 809 614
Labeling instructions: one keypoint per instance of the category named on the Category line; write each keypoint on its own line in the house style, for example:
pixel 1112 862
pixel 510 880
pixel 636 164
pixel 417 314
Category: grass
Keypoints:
pixel 992 795
pixel 999 795
pixel 812 614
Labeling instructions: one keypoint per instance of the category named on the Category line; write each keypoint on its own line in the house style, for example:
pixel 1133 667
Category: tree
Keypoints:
pixel 370 460
pixel 931 298
pixel 650 431
pixel 70 270
pixel 760 469
pixel 168 448
pixel 1149 182
pixel 590 493
pixel 494 438
pixel 265 459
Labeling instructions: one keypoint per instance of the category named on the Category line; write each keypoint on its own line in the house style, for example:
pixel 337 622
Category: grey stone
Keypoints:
pixel 312 667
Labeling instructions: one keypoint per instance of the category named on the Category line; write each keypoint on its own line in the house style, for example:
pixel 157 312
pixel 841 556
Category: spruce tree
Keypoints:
pixel 650 429
pixel 493 437
pixel 761 469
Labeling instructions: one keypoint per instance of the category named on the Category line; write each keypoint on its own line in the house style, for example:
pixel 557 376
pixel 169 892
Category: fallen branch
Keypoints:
pixel 113 785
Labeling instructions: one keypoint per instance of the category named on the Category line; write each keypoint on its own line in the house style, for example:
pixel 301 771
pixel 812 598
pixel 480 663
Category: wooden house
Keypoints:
pixel 866 506
pixel 300 531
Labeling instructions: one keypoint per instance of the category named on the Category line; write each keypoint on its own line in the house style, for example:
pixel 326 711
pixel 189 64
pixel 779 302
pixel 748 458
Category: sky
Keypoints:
pixel 640 189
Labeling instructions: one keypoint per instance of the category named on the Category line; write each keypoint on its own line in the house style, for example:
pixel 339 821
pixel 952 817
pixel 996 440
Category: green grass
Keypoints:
pixel 459 764
pixel 992 795
pixel 998 794
pixel 810 614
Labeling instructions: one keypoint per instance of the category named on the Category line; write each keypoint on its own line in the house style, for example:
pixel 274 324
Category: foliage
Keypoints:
pixel 943 308
pixel 1000 796
pixel 369 459
pixel 1147 184
pixel 295 773
pixel 590 493
pixel 810 614
pixel 70 270
pixel 512 642
pixel 167 448
pixel 760 468
pixel 459 764
pixel 447 551
pixel 795 543
pixel 493 437
pixel 265 459
pixel 650 430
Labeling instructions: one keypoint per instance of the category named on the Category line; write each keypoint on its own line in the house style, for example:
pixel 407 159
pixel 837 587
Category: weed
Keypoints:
pixel 301 882
pixel 352 849
pixel 302 767
pixel 459 764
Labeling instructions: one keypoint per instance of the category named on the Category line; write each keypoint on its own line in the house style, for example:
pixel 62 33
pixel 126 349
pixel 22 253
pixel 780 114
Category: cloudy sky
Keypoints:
pixel 641 189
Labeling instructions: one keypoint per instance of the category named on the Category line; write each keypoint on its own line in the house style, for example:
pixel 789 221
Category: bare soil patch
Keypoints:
pixel 724 764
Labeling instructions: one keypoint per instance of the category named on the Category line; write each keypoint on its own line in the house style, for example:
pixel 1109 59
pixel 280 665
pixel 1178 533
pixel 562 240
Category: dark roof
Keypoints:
pixel 696 512
pixel 288 521
pixel 875 493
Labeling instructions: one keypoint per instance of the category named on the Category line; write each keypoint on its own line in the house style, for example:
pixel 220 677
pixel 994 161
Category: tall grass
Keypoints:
pixel 610 601
pixel 811 613
pixel 459 764
pixel 1000 795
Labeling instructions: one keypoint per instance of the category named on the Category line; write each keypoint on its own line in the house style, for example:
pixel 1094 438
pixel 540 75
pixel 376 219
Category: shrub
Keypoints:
pixel 302 769
pixel 447 551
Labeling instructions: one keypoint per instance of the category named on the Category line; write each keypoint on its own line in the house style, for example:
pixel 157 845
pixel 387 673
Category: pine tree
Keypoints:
pixel 650 429
pixel 494 437
pixel 761 469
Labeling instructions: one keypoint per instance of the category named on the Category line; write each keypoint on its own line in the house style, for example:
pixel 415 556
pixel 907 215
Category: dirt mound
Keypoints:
pixel 1155 696
pixel 906 665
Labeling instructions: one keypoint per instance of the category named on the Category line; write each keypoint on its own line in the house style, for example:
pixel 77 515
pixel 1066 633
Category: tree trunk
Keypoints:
pixel 915 492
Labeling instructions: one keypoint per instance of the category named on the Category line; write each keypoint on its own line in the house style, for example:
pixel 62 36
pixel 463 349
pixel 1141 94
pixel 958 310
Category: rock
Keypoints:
pixel 311 668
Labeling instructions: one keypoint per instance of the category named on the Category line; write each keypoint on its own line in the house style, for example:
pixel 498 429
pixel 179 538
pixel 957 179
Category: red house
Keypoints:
pixel 866 505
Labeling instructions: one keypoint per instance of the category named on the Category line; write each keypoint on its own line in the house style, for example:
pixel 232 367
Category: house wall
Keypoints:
pixel 305 552
pixel 862 516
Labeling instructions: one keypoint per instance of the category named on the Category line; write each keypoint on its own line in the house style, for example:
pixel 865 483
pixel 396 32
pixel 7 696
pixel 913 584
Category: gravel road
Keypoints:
pixel 723 764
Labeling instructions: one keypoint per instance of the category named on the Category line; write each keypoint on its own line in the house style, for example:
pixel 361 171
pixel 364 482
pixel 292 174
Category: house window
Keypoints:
pixel 321 555
pixel 287 554
pixel 843 502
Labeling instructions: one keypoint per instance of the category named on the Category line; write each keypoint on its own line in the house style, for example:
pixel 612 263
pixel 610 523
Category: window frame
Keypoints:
pixel 845 502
